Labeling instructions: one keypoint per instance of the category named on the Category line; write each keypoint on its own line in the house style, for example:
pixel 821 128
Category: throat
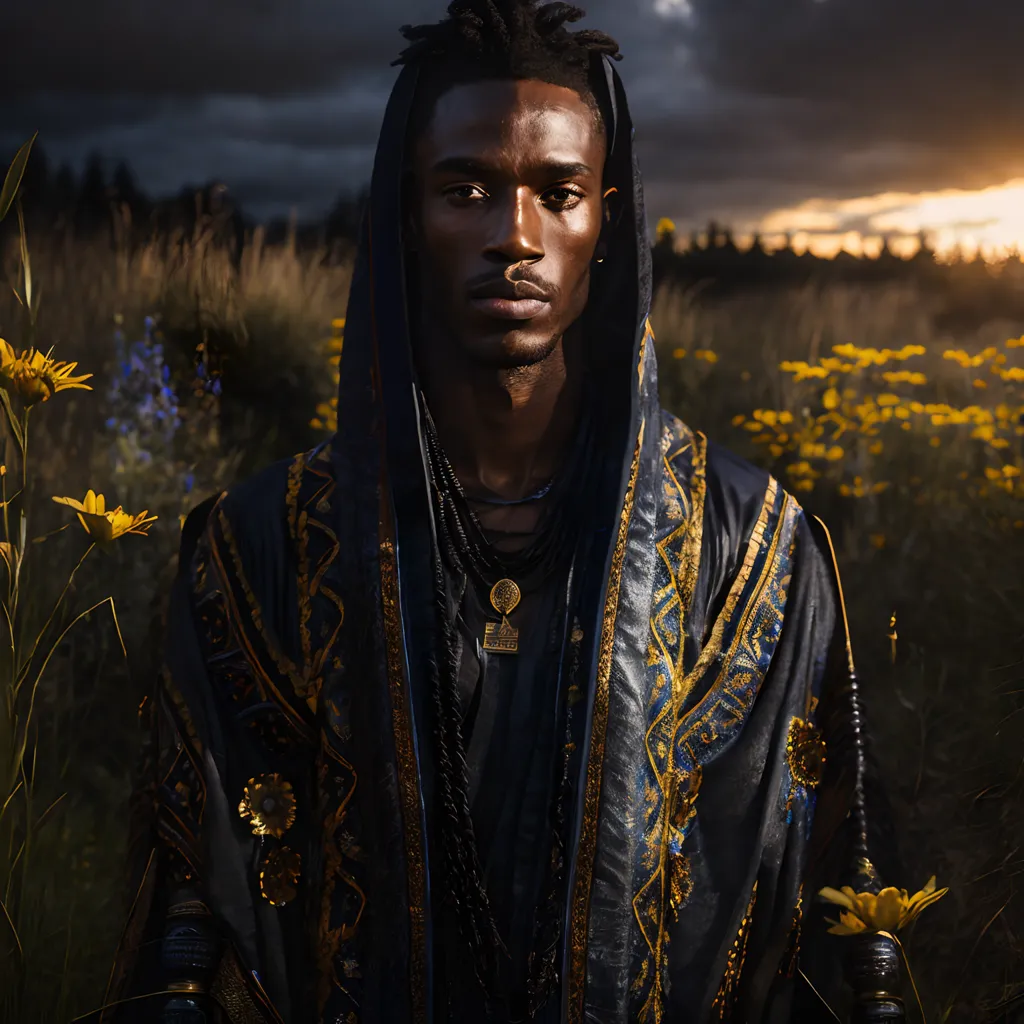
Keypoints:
pixel 504 430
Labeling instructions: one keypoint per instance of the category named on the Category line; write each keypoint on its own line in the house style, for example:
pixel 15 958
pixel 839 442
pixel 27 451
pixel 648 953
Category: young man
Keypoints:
pixel 501 705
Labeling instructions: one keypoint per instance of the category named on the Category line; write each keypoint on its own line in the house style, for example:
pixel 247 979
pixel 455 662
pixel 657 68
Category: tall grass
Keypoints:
pixel 947 716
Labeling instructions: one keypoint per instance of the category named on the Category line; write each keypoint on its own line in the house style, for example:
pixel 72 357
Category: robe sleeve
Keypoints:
pixel 195 937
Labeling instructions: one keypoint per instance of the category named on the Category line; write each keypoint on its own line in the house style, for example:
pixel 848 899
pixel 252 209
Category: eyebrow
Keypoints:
pixel 477 168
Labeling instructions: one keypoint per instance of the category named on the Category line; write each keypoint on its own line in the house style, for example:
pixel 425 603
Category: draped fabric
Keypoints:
pixel 300 637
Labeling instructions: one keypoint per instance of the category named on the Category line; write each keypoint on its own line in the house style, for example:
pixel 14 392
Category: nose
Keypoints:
pixel 517 230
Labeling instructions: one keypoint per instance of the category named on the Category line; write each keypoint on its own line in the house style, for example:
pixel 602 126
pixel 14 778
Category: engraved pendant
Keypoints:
pixel 502 637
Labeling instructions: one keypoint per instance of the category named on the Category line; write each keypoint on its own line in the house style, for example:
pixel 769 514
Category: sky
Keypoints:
pixel 835 121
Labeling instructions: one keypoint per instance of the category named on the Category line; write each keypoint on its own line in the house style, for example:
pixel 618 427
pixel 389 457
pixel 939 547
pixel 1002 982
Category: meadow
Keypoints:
pixel 902 431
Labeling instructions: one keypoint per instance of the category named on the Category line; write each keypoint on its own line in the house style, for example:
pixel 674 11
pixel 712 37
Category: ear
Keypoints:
pixel 612 207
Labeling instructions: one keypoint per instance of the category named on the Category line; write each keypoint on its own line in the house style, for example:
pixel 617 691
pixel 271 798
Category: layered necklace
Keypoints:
pixel 464 542
pixel 464 547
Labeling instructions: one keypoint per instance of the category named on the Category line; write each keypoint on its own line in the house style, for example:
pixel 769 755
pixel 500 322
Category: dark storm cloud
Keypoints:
pixel 741 105
pixel 197 48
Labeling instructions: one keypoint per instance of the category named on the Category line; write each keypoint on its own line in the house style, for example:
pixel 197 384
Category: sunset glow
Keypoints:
pixel 988 221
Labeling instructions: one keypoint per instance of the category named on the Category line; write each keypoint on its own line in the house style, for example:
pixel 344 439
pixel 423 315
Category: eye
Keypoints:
pixel 563 197
pixel 465 193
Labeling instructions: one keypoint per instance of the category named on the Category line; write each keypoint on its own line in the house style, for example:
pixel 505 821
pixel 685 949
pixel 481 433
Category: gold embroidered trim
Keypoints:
pixel 231 990
pixel 408 781
pixel 713 648
pixel 329 939
pixel 256 614
pixel 592 798
pixel 695 534
pixel 726 997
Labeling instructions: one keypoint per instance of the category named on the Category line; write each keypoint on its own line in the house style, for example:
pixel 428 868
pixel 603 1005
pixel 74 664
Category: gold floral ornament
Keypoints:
pixel 35 377
pixel 268 802
pixel 105 525
pixel 889 911
pixel 279 876
pixel 805 752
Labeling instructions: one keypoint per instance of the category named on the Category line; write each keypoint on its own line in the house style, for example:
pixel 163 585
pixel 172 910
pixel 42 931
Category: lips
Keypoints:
pixel 509 300
pixel 510 309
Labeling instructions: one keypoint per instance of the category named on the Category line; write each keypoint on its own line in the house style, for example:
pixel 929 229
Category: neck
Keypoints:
pixel 504 430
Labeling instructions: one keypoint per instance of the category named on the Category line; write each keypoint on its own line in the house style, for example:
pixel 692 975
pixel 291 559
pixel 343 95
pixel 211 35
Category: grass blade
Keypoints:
pixel 14 931
pixel 14 176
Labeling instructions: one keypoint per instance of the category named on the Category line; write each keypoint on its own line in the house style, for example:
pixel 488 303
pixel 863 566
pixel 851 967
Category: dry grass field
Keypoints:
pixel 924 499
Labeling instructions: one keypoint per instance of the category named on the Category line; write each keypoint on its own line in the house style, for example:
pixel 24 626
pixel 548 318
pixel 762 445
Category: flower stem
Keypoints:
pixel 23 668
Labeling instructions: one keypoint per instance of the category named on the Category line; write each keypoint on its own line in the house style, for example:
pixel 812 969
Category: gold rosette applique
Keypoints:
pixel 805 752
pixel 268 803
pixel 279 876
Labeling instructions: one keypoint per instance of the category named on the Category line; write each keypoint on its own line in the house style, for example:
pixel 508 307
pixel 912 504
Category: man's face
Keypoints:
pixel 507 215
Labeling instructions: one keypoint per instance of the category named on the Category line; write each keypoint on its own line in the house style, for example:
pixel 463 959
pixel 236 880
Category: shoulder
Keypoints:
pixel 731 490
pixel 257 515
pixel 735 496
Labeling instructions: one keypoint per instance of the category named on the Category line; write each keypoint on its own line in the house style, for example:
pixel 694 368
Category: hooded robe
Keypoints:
pixel 300 631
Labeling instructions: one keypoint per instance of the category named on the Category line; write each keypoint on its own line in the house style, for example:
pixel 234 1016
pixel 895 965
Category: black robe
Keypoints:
pixel 301 627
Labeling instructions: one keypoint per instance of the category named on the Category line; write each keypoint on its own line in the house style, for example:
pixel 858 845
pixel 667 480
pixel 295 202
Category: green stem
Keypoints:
pixel 910 974
pixel 24 667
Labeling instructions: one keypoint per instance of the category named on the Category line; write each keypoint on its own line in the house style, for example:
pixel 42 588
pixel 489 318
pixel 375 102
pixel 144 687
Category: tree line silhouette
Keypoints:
pixel 712 261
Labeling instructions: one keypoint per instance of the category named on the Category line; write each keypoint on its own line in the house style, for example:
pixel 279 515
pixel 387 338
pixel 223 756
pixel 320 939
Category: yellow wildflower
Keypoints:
pixel 665 229
pixel 35 377
pixel 979 383
pixel 877 540
pixel 1015 342
pixel 835 453
pixel 830 400
pixel 679 353
pixel 738 420
pixel 707 355
pixel 889 911
pixel 934 442
pixel 105 525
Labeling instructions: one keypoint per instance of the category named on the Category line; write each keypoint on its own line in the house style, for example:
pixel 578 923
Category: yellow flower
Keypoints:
pixel 889 911
pixel 105 525
pixel 269 803
pixel 830 399
pixel 35 377
pixel 706 354
pixel 679 353
pixel 666 227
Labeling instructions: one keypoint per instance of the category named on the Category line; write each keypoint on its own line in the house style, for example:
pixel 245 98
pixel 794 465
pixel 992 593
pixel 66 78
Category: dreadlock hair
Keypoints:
pixel 505 39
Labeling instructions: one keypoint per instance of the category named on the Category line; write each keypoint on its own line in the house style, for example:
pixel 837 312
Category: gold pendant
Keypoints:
pixel 502 637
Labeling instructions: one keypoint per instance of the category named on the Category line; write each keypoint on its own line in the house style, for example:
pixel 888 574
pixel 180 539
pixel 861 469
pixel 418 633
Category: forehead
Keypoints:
pixel 521 121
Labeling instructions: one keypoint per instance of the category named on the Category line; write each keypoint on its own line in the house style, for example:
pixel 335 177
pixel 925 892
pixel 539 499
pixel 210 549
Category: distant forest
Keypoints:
pixel 58 200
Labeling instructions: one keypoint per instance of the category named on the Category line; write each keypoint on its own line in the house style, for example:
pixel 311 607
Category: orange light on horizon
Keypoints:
pixel 988 221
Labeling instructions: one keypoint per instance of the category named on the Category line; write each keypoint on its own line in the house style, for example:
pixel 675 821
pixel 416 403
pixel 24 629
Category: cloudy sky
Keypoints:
pixel 834 118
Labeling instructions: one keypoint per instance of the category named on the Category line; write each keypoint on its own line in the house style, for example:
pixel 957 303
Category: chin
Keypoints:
pixel 507 350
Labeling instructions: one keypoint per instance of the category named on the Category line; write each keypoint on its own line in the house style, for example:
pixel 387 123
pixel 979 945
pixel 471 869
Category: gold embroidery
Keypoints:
pixel 592 797
pixel 279 876
pixel 725 1000
pixel 805 753
pixel 231 991
pixel 268 802
pixel 792 957
pixel 284 665
pixel 329 939
pixel 408 780
pixel 669 804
